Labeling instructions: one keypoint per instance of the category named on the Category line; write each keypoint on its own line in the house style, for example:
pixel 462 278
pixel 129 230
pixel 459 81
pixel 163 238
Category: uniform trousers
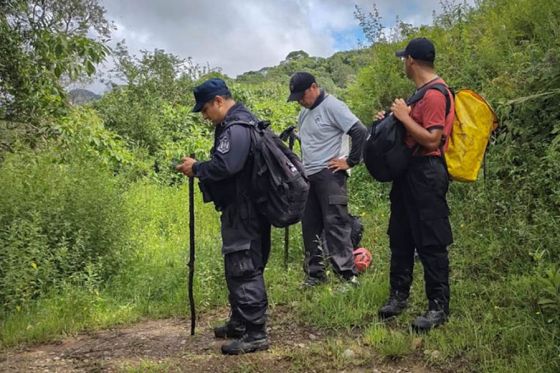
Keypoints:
pixel 326 213
pixel 246 247
pixel 419 222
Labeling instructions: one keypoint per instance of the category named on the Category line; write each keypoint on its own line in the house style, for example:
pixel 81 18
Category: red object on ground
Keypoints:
pixel 362 259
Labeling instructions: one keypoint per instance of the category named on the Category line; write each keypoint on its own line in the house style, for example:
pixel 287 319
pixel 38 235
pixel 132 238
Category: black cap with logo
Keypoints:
pixel 299 82
pixel 419 49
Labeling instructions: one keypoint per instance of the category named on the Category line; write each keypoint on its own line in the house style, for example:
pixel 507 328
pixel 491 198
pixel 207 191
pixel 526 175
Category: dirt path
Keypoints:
pixel 165 345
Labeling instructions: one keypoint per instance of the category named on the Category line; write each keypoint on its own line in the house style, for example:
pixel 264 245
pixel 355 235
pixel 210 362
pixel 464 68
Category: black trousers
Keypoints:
pixel 326 212
pixel 246 247
pixel 420 221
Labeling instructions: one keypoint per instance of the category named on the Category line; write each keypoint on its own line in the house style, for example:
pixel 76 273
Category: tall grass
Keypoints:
pixel 493 325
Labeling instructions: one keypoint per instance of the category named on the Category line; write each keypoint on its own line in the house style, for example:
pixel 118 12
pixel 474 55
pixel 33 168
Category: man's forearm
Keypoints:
pixel 428 139
pixel 358 134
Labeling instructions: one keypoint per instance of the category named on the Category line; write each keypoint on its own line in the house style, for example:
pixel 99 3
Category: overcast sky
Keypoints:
pixel 245 35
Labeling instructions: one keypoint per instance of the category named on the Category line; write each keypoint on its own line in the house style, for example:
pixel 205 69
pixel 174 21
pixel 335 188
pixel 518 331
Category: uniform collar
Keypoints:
pixel 319 99
pixel 237 113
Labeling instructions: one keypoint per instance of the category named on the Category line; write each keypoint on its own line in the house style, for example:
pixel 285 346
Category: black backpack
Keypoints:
pixel 278 184
pixel 357 231
pixel 385 154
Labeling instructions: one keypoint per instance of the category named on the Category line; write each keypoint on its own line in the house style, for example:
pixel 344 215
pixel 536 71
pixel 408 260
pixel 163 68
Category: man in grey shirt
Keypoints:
pixel 323 125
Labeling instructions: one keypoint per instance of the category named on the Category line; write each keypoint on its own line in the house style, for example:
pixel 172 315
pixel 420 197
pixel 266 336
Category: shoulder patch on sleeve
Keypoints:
pixel 224 145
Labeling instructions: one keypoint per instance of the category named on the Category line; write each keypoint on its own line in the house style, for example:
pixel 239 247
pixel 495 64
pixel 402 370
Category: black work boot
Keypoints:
pixel 231 329
pixel 255 339
pixel 395 305
pixel 431 319
pixel 311 281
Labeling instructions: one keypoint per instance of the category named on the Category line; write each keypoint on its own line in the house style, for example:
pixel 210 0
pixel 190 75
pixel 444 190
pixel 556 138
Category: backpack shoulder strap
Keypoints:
pixel 440 87
pixel 250 124
pixel 444 90
pixel 249 172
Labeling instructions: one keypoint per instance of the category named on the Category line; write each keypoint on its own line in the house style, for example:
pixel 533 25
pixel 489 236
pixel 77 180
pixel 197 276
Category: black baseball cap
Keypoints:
pixel 207 91
pixel 299 82
pixel 420 49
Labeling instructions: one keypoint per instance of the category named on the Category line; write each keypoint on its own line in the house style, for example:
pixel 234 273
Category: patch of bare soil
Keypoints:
pixel 166 345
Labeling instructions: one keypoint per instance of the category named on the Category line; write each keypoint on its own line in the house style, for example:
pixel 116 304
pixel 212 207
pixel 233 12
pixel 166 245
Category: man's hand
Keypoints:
pixel 380 115
pixel 400 109
pixel 186 166
pixel 338 164
pixel 285 135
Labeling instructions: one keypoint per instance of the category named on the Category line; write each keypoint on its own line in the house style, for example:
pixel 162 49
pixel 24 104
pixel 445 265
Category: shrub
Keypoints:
pixel 57 222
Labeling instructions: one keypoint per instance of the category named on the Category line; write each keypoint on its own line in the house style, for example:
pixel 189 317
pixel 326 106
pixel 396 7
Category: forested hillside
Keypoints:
pixel 335 73
pixel 94 221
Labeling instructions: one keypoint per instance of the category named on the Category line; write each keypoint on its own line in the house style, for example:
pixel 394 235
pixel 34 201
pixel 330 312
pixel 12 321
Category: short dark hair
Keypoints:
pixel 227 96
pixel 428 64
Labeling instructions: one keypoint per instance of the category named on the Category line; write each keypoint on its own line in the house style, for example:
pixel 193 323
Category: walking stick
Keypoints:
pixel 287 229
pixel 191 251
pixel 287 134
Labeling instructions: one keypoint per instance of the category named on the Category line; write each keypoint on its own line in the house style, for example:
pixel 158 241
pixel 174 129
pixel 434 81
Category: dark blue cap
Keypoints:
pixel 207 91
pixel 420 49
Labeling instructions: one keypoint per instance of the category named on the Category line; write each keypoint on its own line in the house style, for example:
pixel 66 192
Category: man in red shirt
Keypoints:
pixel 419 212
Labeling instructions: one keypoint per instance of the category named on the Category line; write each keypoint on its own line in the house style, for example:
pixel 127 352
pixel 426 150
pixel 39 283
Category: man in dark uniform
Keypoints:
pixel 419 212
pixel 245 234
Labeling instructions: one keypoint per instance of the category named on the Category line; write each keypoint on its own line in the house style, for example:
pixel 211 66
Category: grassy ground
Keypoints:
pixel 492 328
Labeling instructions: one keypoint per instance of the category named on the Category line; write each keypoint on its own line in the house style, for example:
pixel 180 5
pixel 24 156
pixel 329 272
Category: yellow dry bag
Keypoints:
pixel 474 122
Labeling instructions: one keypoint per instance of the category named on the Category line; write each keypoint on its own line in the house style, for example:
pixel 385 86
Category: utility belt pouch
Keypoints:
pixel 206 190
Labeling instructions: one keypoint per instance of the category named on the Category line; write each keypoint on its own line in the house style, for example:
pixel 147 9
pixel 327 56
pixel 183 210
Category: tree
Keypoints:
pixel 151 107
pixel 371 24
pixel 41 42
pixel 295 55
pixel 158 71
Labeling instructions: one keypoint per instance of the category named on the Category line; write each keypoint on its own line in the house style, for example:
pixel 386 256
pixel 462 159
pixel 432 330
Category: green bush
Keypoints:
pixel 82 136
pixel 58 222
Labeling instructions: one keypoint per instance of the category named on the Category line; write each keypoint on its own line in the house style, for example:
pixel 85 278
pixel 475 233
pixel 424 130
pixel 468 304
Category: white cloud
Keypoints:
pixel 239 36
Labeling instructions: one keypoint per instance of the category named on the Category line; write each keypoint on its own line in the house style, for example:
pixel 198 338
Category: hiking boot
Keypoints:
pixel 255 339
pixel 230 329
pixel 348 284
pixel 395 305
pixel 429 320
pixel 311 281
pixel 353 280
